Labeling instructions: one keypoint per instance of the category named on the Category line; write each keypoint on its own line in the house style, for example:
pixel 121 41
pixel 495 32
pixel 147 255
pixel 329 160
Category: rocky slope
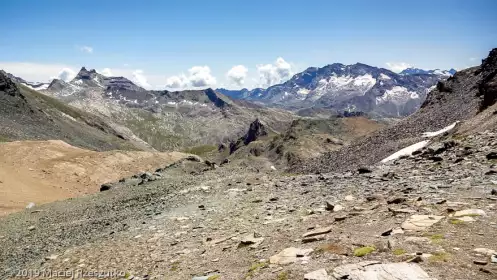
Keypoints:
pixel 415 218
pixel 166 120
pixel 357 87
pixel 459 98
pixel 26 114
pixel 305 139
pixel 45 171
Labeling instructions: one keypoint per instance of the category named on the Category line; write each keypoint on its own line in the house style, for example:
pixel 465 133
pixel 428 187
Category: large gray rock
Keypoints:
pixel 291 255
pixel 420 222
pixel 375 271
pixel 317 275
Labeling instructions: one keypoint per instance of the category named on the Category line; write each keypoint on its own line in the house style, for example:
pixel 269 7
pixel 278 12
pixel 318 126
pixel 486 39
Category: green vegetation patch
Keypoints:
pixel 456 222
pixel 256 267
pixel 399 252
pixel 439 257
pixel 437 238
pixel 282 276
pixel 363 251
pixel 201 150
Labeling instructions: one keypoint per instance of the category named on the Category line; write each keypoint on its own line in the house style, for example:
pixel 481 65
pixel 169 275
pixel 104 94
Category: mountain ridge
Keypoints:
pixel 340 87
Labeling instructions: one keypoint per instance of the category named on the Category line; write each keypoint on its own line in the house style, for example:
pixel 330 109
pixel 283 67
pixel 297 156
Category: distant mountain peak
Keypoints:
pixel 419 71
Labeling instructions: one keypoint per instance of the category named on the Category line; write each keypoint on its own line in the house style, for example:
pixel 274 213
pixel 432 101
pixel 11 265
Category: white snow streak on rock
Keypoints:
pixel 441 131
pixel 406 151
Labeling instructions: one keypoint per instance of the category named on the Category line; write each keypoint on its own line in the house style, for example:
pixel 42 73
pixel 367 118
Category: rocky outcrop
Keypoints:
pixel 256 130
pixel 488 85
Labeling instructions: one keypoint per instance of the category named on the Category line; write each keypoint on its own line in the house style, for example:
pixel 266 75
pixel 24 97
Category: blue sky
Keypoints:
pixel 197 43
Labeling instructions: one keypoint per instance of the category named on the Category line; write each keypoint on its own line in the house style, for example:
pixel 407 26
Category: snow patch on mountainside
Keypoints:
pixel 397 94
pixel 384 77
pixel 348 83
pixel 37 87
pixel 441 131
pixel 407 151
pixel 303 91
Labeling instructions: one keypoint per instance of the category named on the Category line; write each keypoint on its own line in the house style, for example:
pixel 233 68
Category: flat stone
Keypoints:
pixel 318 231
pixel 375 271
pixel 480 262
pixel 402 211
pixel 420 222
pixel 466 219
pixel 470 212
pixel 251 241
pixel 317 275
pixel 349 198
pixel 314 238
pixel 290 255
pixel 484 251
pixel 392 231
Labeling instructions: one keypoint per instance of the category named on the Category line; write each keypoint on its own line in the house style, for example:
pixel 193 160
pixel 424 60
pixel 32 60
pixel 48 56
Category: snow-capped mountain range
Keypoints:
pixel 357 87
pixel 335 87
pixel 415 71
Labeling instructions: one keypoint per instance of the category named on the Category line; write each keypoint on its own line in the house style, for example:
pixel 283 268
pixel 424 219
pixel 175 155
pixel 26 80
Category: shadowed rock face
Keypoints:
pixel 256 130
pixel 488 85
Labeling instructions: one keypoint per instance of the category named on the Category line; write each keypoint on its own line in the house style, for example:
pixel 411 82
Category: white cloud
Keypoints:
pixel 66 74
pixel 473 58
pixel 398 66
pixel 177 82
pixel 270 74
pixel 106 72
pixel 198 76
pixel 237 74
pixel 86 49
pixel 140 79
pixel 34 72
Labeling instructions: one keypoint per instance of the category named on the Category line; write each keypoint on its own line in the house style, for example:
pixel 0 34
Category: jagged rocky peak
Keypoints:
pixel 121 83
pixel 256 130
pixel 85 74
pixel 488 84
pixel 56 85
pixel 7 85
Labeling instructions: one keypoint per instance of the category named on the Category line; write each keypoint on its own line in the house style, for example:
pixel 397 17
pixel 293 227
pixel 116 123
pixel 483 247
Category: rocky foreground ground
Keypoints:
pixel 430 216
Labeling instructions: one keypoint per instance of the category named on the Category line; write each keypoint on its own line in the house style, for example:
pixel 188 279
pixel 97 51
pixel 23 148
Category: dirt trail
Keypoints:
pixel 46 171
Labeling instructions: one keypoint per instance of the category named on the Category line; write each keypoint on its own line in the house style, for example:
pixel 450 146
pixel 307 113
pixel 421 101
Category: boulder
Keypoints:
pixel 420 222
pixel 290 255
pixel 374 270
pixel 251 241
pixel 317 275
pixel 318 231
pixel 105 187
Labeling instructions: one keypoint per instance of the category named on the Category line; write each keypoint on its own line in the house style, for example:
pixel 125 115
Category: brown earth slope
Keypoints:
pixel 46 171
